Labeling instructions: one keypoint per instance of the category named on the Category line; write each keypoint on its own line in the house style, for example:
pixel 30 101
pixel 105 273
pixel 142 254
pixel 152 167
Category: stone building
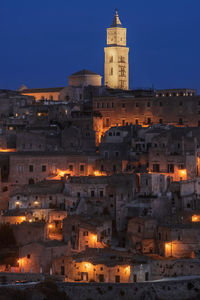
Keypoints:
pixel 97 195
pixel 84 78
pixel 83 232
pixel 178 240
pixel 37 257
pixel 174 152
pixel 141 233
pixel 29 168
pixel 118 110
pixel 42 195
pixel 116 68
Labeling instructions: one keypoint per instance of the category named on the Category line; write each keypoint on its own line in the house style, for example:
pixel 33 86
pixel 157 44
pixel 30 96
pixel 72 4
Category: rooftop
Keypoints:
pixel 83 73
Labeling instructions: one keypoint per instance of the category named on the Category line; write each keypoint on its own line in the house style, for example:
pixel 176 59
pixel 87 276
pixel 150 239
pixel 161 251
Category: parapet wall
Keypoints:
pixel 163 290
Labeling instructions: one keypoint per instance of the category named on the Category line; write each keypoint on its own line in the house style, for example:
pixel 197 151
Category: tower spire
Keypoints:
pixel 116 21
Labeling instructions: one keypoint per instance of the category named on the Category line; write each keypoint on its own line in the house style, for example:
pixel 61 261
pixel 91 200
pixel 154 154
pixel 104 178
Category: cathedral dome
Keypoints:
pixel 85 78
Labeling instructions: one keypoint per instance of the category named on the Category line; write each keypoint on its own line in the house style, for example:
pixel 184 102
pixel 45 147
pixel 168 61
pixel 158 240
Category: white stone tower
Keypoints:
pixel 116 68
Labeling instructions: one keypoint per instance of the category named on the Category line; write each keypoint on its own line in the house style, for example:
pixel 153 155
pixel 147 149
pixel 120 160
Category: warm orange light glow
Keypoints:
pixel 50 226
pixel 98 173
pixel 127 270
pixel 183 174
pixel 94 237
pixel 30 221
pixel 7 150
pixel 23 219
pixel 88 265
pixel 196 218
pixel 36 203
pixel 60 173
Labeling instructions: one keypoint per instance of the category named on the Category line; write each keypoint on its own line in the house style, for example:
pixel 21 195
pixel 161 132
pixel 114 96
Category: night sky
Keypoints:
pixel 42 42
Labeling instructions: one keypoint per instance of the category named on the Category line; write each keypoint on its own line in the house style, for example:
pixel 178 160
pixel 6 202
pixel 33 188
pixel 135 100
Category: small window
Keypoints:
pixel 85 233
pixel 161 121
pixel 170 168
pixel 44 168
pixel 82 168
pixel 101 193
pixel 71 167
pixel 31 168
pixel 148 120
pixel 111 71
pixel 28 256
pixel 148 104
pixel 92 193
pixel 180 121
pixel 137 104
pixel 19 169
pixel 107 122
pixel 123 105
pixel 136 122
pixel 181 103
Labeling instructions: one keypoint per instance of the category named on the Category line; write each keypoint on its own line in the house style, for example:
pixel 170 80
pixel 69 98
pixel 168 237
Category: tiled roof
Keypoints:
pixel 84 72
pixel 43 90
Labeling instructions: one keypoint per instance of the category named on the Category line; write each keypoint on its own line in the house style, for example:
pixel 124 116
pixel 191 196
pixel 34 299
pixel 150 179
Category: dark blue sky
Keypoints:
pixel 43 41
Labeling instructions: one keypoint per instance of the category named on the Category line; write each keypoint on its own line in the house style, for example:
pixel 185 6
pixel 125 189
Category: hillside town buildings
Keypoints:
pixel 101 183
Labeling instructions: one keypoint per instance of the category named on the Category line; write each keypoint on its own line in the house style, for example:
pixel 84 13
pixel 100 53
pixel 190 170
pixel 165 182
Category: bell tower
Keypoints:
pixel 116 67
